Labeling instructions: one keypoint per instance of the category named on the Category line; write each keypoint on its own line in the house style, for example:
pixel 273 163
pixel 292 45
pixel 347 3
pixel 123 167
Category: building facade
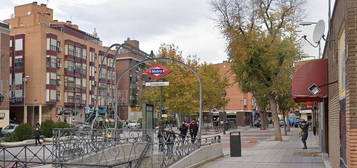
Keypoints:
pixel 131 84
pixel 240 105
pixel 55 68
pixel 4 74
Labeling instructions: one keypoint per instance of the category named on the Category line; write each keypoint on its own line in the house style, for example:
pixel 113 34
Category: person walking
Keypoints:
pixel 161 137
pixel 183 131
pixel 37 134
pixel 193 130
pixel 304 132
pixel 170 141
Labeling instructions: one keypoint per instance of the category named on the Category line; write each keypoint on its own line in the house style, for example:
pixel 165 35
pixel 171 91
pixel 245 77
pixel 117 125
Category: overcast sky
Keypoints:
pixel 185 23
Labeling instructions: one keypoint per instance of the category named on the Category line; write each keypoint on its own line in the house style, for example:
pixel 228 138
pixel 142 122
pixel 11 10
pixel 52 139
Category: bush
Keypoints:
pixel 62 125
pixel 23 132
pixel 47 128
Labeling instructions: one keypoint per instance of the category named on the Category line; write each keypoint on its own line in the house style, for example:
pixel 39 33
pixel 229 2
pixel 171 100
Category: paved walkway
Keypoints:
pixel 260 151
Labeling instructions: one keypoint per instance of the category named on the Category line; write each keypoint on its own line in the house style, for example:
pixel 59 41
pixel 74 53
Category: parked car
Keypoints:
pixel 257 123
pixel 297 122
pixel 9 129
pixel 83 127
pixel 281 123
pixel 133 124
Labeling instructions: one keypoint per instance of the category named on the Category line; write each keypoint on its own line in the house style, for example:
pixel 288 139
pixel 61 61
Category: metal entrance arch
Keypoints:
pixel 169 61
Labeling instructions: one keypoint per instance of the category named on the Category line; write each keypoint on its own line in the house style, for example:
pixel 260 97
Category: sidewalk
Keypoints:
pixel 266 153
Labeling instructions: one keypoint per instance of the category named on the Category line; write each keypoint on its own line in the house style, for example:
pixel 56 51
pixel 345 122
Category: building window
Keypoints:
pixel 78 98
pixel 69 66
pixel 69 49
pixel 69 97
pixel 84 69
pixel 92 71
pixel 18 93
pixel 84 83
pixel 91 56
pixel 10 43
pixel 103 74
pixel 69 81
pixel 18 62
pixel 52 61
pixel 84 98
pixel 51 95
pixel 18 44
pixel 342 57
pixel 18 78
pixel 53 44
pixel 78 83
pixel 51 78
pixel 84 52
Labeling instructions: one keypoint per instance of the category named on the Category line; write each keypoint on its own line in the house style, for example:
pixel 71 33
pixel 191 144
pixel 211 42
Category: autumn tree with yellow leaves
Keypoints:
pixel 261 37
pixel 181 97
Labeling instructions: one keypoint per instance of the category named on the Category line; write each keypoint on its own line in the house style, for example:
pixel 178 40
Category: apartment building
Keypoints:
pixel 4 74
pixel 240 105
pixel 55 67
pixel 131 84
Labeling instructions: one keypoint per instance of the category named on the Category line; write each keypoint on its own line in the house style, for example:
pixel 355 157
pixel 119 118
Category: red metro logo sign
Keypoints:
pixel 157 71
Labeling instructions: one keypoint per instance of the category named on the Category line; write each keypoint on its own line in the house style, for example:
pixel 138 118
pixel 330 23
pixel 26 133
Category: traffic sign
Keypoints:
pixel 157 71
pixel 157 83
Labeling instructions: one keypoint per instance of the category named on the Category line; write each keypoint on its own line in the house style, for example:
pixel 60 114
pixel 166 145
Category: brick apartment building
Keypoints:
pixel 240 105
pixel 341 53
pixel 4 74
pixel 54 67
pixel 130 86
pixel 337 110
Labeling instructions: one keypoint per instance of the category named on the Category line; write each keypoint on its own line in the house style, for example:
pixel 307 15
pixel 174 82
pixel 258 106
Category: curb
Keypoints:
pixel 24 142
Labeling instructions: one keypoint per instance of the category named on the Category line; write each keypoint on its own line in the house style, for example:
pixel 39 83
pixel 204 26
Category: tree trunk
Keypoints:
pixel 288 121
pixel 263 118
pixel 285 124
pixel 273 108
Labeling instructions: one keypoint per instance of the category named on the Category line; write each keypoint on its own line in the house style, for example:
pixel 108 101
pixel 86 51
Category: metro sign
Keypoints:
pixel 157 71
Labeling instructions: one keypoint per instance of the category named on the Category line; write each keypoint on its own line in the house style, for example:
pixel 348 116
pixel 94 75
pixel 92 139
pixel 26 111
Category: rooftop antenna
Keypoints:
pixel 319 31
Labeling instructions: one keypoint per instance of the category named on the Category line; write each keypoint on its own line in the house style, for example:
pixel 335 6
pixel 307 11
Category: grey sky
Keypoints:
pixel 186 23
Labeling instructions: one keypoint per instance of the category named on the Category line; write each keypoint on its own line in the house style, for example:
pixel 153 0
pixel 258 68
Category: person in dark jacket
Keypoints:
pixel 305 132
pixel 193 130
pixel 183 130
pixel 161 136
pixel 37 134
pixel 170 141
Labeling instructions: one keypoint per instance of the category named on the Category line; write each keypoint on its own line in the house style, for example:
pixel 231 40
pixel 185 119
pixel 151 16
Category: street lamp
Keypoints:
pixel 25 79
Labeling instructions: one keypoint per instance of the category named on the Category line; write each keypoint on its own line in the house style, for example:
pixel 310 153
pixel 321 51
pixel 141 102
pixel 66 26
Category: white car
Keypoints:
pixel 133 124
pixel 9 129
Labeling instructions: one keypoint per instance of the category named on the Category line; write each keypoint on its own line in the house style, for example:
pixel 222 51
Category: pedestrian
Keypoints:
pixel 304 132
pixel 161 135
pixel 193 130
pixel 37 134
pixel 183 131
pixel 170 141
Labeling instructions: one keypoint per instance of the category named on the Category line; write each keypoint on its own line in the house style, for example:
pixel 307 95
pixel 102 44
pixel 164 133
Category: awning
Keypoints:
pixel 308 73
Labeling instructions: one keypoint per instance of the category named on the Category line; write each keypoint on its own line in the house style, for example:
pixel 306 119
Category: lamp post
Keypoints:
pixel 25 79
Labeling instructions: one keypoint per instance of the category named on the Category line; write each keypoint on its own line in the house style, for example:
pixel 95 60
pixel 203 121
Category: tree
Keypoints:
pixel 261 44
pixel 181 96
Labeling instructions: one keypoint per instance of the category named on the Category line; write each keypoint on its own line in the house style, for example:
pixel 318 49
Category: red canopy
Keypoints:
pixel 308 73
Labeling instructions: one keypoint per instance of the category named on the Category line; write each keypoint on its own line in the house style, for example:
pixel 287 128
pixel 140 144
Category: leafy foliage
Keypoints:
pixel 23 132
pixel 261 45
pixel 47 127
pixel 182 95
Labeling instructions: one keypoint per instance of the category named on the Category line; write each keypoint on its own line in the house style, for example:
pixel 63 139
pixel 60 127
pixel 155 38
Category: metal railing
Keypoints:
pixel 106 148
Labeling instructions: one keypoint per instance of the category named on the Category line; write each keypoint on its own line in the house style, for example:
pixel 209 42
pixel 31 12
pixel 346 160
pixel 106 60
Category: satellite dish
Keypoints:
pixel 318 31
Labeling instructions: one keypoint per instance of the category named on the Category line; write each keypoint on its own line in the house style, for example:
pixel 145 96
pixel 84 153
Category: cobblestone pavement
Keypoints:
pixel 260 151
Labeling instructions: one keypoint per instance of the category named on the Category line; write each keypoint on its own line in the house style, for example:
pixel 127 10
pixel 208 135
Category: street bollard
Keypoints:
pixel 235 144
